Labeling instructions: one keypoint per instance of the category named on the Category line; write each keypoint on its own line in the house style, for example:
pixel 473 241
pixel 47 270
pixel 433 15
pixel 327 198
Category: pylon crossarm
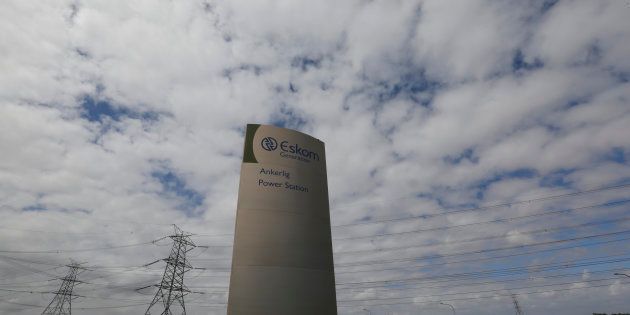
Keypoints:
pixel 151 263
pixel 64 293
pixel 152 285
pixel 177 262
pixel 183 239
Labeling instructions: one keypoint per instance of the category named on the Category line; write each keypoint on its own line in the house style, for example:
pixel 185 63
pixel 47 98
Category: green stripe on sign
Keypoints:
pixel 248 152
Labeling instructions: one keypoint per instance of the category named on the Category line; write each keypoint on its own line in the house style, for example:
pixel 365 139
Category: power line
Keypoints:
pixel 502 271
pixel 493 206
pixel 477 291
pixel 545 230
pixel 109 231
pixel 479 297
pixel 24 282
pixel 25 291
pixel 377 262
pixel 29 268
pixel 498 205
pixel 485 238
pixel 501 220
pixel 529 278
pixel 352 204
pixel 63 232
pixel 374 262
pixel 23 304
pixel 123 299
pixel 59 251
pixel 76 308
pixel 488 258
pixel 111 307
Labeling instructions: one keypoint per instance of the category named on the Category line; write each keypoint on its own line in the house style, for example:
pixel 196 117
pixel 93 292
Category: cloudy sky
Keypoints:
pixel 475 149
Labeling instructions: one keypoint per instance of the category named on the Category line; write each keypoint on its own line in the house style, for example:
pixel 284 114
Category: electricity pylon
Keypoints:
pixel 517 307
pixel 62 302
pixel 171 290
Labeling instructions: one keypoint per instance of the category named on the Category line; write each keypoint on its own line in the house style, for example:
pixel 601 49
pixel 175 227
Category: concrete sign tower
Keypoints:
pixel 282 263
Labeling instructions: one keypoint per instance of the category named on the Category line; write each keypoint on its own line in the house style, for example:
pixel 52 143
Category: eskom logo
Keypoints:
pixel 289 150
pixel 294 151
pixel 269 144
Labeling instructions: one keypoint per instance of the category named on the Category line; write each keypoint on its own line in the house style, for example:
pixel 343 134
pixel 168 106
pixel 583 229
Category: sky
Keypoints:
pixel 475 149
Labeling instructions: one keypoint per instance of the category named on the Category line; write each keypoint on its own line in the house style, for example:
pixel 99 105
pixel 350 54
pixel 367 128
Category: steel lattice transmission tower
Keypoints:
pixel 517 307
pixel 62 302
pixel 171 290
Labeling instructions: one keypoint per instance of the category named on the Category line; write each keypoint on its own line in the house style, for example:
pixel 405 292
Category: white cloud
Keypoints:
pixel 469 40
pixel 581 31
pixel 118 120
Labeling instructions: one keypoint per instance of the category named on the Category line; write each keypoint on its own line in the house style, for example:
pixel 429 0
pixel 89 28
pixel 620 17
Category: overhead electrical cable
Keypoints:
pixel 477 297
pixel 489 250
pixel 484 258
pixel 59 251
pixel 482 291
pixel 500 220
pixel 490 282
pixel 493 206
pixel 13 284
pixel 503 220
pixel 30 274
pixel 374 262
pixel 23 304
pixel 29 268
pixel 485 238
pixel 549 190
pixel 27 291
pixel 503 271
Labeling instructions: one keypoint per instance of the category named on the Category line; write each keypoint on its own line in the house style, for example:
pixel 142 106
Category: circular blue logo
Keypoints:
pixel 269 144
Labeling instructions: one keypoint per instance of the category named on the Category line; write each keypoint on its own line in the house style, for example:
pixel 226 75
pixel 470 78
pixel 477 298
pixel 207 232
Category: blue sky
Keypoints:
pixel 117 120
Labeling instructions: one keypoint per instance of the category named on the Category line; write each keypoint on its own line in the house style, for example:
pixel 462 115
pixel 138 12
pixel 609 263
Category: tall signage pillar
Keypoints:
pixel 282 262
